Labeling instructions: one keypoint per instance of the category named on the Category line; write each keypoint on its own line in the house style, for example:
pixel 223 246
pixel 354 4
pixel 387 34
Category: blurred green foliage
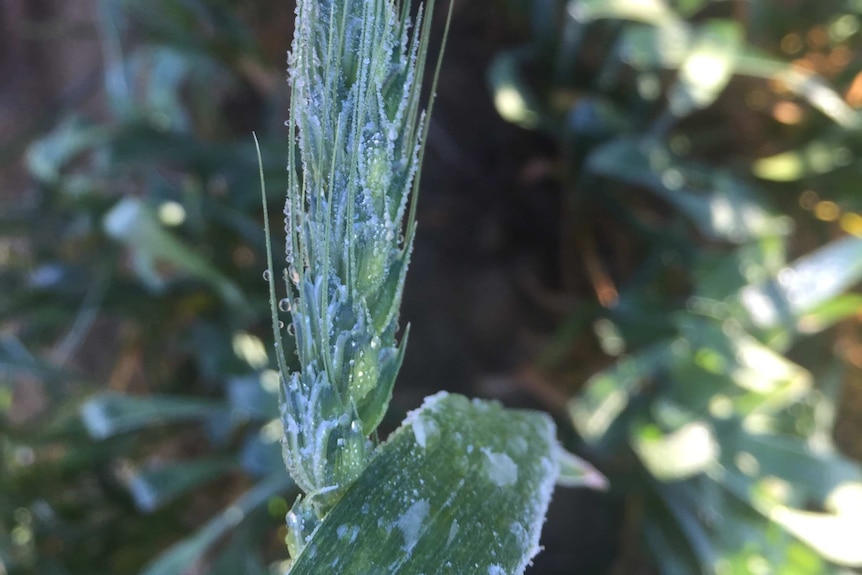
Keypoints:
pixel 708 156
pixel 144 246
pixel 711 181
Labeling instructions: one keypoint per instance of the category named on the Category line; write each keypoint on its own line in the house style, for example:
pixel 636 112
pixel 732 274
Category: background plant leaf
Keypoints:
pixel 110 413
pixel 184 554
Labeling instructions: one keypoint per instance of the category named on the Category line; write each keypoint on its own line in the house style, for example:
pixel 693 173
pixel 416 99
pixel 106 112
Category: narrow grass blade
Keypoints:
pixel 110 414
pixel 181 557
pixel 152 487
pixel 133 224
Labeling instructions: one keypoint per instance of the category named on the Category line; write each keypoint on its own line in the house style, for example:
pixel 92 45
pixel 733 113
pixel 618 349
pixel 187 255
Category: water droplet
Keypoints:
pixel 291 330
pixel 266 275
pixel 280 325
pixel 284 304
pixel 375 342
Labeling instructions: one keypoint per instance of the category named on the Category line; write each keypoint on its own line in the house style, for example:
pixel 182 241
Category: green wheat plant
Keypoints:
pixel 355 71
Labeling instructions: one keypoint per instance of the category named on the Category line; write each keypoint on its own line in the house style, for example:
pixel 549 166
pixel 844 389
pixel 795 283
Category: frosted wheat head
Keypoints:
pixel 355 67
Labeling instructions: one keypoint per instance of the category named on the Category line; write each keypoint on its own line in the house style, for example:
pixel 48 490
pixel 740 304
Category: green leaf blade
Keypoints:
pixel 154 486
pixel 110 413
pixel 181 556
pixel 461 487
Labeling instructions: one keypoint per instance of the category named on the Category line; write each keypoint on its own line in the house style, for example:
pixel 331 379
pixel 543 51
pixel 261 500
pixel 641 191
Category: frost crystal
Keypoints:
pixel 500 469
pixel 410 523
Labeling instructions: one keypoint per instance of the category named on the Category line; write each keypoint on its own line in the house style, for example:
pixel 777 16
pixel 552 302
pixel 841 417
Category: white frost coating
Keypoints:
pixel 410 523
pixel 519 445
pixel 348 532
pixel 520 533
pixel 540 498
pixel 496 570
pixel 429 404
pixel 453 532
pixel 419 431
pixel 342 531
pixel 424 427
pixel 500 469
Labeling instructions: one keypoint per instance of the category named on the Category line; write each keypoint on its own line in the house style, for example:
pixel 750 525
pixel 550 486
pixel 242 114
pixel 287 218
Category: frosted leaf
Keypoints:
pixel 423 497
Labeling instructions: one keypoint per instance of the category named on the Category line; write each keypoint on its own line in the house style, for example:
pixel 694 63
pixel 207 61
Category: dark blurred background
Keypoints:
pixel 641 216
